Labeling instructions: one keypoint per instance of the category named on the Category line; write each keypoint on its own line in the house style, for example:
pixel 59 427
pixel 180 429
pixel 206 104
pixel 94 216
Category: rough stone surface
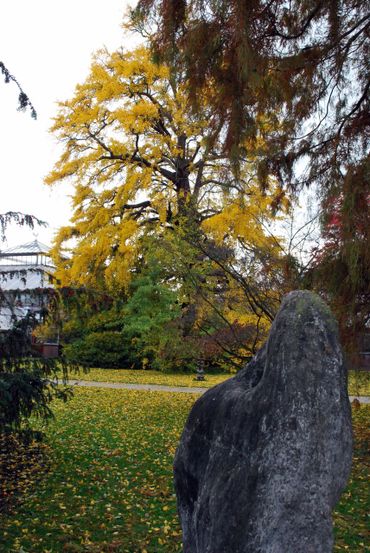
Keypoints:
pixel 265 455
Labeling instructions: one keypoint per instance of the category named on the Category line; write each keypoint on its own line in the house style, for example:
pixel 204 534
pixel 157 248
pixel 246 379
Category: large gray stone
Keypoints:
pixel 265 455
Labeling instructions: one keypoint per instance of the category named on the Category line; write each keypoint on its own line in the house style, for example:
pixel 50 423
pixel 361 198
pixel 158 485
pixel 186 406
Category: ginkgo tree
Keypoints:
pixel 143 164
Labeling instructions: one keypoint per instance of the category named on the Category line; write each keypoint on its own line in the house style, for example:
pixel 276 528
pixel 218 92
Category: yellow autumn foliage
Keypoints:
pixel 140 160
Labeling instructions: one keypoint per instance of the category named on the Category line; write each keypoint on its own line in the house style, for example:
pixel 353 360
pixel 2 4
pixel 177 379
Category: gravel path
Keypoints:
pixel 159 388
pixel 148 387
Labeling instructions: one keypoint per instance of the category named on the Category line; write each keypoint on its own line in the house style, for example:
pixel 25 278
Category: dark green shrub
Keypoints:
pixel 99 349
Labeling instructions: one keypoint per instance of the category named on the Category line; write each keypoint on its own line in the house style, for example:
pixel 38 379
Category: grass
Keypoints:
pixel 352 512
pixel 358 381
pixel 22 460
pixel 152 377
pixel 109 485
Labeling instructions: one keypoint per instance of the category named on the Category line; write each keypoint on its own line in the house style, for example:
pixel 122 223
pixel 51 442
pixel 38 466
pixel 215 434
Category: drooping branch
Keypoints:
pixel 21 219
pixel 23 100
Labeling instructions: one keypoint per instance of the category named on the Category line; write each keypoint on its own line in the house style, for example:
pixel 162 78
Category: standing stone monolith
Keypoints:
pixel 264 456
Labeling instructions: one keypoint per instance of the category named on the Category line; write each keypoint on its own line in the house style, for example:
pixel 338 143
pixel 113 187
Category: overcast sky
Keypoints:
pixel 47 45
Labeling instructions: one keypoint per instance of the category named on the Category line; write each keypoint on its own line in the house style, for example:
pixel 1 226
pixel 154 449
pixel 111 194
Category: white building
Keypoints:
pixel 26 272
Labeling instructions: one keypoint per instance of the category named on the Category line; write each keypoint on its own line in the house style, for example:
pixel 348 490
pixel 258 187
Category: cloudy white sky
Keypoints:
pixel 47 45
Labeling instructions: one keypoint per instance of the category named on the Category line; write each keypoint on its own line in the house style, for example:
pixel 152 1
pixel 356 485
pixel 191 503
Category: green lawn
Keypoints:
pixel 358 382
pixel 151 377
pixel 109 484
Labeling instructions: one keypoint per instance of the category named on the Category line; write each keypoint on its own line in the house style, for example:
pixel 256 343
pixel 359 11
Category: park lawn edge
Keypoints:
pixel 358 381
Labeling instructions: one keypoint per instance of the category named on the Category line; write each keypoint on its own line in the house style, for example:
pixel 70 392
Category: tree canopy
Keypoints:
pixel 307 64
pixel 308 61
pixel 151 179
pixel 142 163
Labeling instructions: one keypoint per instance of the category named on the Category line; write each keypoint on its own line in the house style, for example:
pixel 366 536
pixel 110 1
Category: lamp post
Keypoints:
pixel 200 371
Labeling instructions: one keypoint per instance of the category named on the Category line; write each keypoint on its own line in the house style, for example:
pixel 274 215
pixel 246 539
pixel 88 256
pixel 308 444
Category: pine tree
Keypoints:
pixel 27 382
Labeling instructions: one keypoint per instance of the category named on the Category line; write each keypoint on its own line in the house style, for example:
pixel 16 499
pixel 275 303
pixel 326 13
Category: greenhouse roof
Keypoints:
pixel 30 248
